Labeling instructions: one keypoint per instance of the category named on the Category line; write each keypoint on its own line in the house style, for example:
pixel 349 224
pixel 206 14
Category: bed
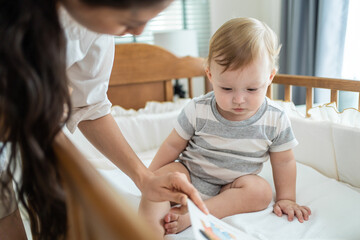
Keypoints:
pixel 328 154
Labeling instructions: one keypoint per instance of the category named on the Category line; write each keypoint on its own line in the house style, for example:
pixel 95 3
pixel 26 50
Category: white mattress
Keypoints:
pixel 335 207
pixel 329 142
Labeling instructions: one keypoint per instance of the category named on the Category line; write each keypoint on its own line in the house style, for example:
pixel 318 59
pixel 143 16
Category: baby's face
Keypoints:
pixel 239 93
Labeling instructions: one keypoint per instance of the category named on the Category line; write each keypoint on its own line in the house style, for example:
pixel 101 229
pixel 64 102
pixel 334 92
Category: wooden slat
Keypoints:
pixel 287 95
pixel 169 91
pixel 309 99
pixel 269 92
pixel 334 96
pixel 190 87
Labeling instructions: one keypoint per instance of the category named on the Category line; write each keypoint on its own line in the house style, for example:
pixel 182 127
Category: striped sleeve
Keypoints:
pixel 185 124
pixel 285 139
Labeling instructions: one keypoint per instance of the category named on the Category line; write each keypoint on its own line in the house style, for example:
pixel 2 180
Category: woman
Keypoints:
pixel 34 95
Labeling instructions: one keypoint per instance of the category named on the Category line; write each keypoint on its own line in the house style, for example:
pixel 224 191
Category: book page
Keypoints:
pixel 208 227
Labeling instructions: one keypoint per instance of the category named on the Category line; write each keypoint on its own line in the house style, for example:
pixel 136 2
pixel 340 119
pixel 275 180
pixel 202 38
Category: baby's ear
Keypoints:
pixel 208 73
pixel 272 75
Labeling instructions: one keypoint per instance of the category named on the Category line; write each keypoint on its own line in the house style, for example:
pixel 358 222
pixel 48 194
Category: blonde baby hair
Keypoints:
pixel 240 41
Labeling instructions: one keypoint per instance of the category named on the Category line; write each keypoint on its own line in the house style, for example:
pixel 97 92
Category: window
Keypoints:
pixel 181 14
pixel 351 60
pixel 350 67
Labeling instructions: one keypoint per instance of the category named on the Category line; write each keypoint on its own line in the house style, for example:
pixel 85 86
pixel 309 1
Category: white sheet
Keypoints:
pixel 335 207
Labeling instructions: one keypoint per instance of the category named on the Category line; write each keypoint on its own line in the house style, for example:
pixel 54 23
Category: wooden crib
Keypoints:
pixel 142 73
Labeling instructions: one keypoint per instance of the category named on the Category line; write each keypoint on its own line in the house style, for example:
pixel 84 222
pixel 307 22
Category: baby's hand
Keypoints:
pixel 292 209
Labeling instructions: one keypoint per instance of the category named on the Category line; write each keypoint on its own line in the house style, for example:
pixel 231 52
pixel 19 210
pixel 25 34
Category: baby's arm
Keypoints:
pixel 169 150
pixel 284 173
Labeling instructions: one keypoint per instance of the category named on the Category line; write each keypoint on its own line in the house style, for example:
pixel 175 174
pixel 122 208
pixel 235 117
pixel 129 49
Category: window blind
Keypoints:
pixel 181 14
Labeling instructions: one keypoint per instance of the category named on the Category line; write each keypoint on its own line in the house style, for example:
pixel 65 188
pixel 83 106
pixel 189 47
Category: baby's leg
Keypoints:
pixel 154 212
pixel 248 193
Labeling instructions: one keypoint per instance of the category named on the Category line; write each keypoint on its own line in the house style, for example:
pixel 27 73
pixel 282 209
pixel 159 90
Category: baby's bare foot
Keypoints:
pixel 175 223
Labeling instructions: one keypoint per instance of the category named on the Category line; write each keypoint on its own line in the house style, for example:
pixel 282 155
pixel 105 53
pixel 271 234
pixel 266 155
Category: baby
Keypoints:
pixel 221 140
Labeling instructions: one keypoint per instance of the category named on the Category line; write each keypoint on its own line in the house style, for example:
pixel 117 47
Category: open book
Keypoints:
pixel 208 227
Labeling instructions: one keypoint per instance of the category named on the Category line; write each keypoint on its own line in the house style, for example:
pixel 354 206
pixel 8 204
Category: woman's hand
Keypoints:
pixel 292 209
pixel 173 187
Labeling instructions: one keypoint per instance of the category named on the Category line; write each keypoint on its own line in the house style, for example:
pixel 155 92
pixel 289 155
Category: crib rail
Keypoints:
pixel 95 210
pixel 310 82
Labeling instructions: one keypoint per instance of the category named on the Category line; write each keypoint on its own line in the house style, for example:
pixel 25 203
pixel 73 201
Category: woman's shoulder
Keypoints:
pixel 74 31
pixel 80 40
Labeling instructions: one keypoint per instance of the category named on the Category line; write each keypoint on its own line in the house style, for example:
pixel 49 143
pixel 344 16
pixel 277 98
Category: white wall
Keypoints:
pixel 267 11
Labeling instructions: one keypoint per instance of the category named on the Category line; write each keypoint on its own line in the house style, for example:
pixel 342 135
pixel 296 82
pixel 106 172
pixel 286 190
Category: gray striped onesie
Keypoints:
pixel 219 151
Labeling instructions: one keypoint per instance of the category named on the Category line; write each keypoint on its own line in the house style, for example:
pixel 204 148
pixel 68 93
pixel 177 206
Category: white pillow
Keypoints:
pixel 346 137
pixel 328 112
pixel 347 151
pixel 146 131
pixel 315 147
pixel 151 107
pixel 148 127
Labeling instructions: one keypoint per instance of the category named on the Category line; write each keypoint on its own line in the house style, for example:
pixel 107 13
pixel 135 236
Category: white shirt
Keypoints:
pixel 89 60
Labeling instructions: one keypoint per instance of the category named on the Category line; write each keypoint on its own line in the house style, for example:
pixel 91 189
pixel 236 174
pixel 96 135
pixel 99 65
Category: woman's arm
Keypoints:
pixel 106 136
pixel 169 150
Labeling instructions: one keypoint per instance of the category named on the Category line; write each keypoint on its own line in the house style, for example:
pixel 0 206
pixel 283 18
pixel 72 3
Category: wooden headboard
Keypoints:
pixel 144 72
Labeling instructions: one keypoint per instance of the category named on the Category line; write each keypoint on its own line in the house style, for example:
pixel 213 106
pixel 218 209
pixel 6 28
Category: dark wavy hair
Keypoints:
pixel 33 99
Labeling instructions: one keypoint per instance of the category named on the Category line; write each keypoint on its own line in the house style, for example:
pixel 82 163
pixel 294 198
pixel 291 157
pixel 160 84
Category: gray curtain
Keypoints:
pixel 313 38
